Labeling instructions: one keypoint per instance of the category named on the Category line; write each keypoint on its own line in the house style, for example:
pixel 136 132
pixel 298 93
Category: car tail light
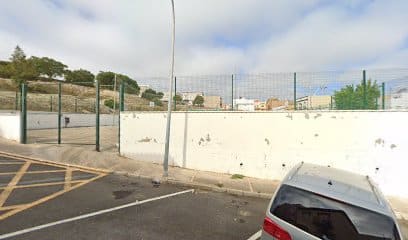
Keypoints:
pixel 275 230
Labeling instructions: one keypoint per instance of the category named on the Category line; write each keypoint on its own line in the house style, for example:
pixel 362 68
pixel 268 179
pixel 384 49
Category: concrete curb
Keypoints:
pixel 203 186
pixel 219 189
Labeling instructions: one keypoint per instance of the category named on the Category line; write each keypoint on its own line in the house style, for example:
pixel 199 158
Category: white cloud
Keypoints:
pixel 213 36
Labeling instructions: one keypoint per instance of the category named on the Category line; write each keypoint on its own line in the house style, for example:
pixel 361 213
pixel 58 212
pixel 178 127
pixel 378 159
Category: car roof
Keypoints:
pixel 340 185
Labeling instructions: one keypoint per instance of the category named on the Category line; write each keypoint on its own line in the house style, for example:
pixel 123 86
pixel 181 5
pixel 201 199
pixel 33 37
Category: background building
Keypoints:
pixel 276 104
pixel 188 97
pixel 399 99
pixel 259 105
pixel 243 104
pixel 142 89
pixel 314 102
pixel 212 102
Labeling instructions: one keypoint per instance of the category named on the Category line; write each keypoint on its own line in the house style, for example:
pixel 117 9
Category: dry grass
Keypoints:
pixel 42 96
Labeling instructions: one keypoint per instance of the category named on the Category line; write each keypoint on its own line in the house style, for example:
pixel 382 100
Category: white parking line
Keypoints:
pixel 32 229
pixel 256 235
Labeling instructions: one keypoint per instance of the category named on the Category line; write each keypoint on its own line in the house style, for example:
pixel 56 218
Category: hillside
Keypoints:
pixel 42 96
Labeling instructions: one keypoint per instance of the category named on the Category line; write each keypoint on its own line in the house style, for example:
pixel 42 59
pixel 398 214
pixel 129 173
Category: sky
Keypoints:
pixel 212 36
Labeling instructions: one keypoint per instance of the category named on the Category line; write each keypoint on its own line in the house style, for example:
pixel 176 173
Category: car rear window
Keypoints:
pixel 330 219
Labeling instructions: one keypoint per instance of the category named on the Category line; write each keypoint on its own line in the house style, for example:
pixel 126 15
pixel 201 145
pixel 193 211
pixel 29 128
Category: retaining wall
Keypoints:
pixel 268 144
pixel 10 125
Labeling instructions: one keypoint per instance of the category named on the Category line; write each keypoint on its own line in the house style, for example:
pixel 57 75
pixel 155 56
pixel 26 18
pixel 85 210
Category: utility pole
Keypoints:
pixel 166 148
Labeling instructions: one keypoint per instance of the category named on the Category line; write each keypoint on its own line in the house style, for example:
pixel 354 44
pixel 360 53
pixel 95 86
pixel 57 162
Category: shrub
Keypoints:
pixel 110 103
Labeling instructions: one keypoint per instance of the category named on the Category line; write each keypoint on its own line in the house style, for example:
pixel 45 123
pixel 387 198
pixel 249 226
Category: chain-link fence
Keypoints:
pixel 394 85
pixel 9 95
pixel 331 90
pixel 59 112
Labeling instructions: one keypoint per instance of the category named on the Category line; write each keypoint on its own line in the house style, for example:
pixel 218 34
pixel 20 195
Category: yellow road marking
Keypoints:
pixel 68 177
pixel 25 162
pixel 34 172
pixel 7 190
pixel 54 195
pixel 12 207
pixel 44 184
pixel 61 165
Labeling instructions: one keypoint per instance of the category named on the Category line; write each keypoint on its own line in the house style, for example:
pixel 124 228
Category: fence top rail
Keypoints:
pixel 57 82
pixel 187 75
pixel 270 111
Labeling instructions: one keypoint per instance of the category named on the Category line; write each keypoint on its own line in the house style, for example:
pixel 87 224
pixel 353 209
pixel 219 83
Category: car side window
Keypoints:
pixel 330 219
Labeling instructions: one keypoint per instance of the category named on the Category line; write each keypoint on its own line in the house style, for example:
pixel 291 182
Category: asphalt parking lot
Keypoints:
pixel 34 194
pixel 44 200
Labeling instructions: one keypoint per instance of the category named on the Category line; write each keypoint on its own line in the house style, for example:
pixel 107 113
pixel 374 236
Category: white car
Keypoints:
pixel 316 202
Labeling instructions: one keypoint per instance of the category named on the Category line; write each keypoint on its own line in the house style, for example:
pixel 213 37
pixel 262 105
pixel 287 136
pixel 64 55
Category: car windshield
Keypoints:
pixel 330 219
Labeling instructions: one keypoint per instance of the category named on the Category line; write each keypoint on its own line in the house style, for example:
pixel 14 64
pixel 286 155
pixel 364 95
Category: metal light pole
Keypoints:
pixel 166 148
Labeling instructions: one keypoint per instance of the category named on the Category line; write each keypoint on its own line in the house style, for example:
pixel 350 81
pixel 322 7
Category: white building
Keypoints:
pixel 142 89
pixel 190 96
pixel 187 97
pixel 243 104
pixel 165 97
pixel 399 99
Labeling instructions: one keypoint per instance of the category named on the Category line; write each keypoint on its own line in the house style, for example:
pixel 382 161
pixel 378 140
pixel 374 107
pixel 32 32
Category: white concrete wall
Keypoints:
pixel 10 126
pixel 44 120
pixel 268 144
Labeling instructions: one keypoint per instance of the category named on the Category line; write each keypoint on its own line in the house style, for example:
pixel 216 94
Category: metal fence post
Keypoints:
pixel 331 102
pixel 376 103
pixel 97 142
pixel 383 96
pixel 16 102
pixel 121 108
pixel 76 104
pixel 122 97
pixel 175 93
pixel 51 103
pixel 59 113
pixel 232 92
pixel 23 114
pixel 294 91
pixel 364 90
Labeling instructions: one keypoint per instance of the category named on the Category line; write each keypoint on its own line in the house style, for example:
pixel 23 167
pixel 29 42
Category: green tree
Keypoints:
pixel 198 101
pixel 177 98
pixel 151 94
pixel 131 84
pixel 20 69
pixel 48 67
pixel 108 78
pixel 5 69
pixel 80 76
pixel 18 55
pixel 352 98
pixel 157 102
